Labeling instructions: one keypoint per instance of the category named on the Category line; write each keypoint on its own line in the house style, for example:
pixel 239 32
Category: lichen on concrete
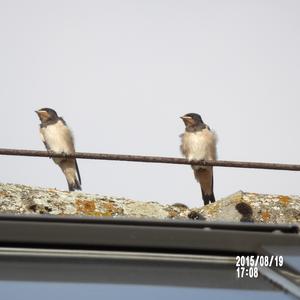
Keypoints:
pixel 264 208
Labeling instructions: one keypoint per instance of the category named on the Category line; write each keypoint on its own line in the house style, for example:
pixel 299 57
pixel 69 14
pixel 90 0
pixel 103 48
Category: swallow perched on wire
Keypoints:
pixel 58 138
pixel 198 142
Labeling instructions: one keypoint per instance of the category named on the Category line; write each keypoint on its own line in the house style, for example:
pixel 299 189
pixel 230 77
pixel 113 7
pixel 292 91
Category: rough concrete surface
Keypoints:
pixel 241 206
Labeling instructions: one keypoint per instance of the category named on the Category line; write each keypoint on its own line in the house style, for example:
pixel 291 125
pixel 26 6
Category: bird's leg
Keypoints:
pixel 64 153
pixel 50 153
pixel 203 163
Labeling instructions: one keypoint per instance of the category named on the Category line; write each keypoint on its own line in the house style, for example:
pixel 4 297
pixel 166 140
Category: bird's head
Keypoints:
pixel 192 120
pixel 47 114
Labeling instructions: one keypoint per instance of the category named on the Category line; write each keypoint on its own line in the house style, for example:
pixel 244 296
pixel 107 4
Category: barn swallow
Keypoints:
pixel 198 142
pixel 58 138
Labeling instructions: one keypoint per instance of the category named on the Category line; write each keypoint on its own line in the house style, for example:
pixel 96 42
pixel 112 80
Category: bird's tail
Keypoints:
pixel 70 168
pixel 206 180
pixel 208 198
pixel 74 185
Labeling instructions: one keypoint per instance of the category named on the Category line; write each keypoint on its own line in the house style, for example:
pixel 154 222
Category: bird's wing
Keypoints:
pixel 77 170
pixel 67 136
pixel 212 140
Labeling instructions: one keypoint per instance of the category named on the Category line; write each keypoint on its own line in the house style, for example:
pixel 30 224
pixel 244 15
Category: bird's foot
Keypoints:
pixel 50 153
pixel 63 153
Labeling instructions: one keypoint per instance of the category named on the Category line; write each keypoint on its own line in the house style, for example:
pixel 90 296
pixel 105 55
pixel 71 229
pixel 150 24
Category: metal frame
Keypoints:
pixel 156 252
pixel 140 234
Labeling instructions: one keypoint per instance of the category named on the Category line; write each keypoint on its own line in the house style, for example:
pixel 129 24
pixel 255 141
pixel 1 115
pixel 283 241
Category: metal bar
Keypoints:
pixel 281 281
pixel 121 255
pixel 152 159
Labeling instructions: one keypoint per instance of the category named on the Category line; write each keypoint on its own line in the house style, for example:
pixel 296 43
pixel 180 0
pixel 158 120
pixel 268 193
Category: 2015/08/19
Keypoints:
pixel 259 261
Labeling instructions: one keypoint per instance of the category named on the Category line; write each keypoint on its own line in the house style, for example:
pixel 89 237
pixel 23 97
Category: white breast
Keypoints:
pixel 58 137
pixel 199 145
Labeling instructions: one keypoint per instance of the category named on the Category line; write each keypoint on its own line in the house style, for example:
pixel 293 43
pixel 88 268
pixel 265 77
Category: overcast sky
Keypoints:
pixel 122 72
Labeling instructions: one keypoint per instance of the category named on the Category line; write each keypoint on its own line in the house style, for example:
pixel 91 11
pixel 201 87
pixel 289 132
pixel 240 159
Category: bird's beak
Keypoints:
pixel 187 120
pixel 42 114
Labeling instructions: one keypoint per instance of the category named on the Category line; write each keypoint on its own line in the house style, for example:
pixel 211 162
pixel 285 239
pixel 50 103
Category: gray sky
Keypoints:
pixel 122 72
